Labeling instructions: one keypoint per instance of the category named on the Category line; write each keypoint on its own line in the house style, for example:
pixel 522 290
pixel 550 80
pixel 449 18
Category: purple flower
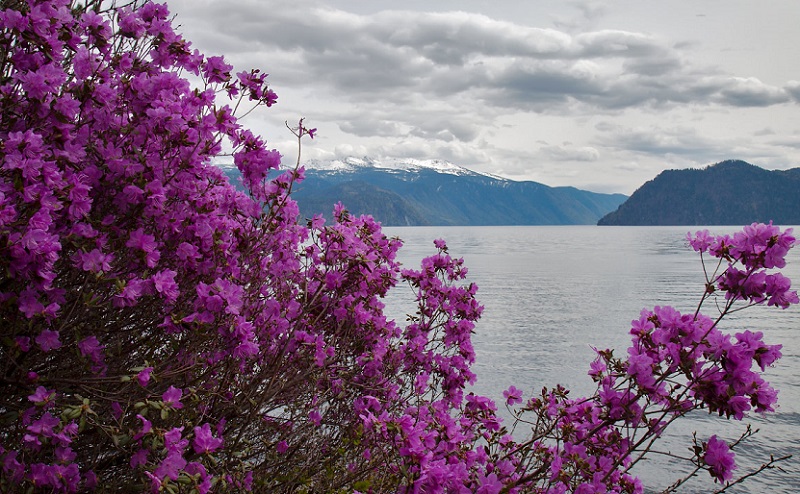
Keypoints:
pixel 116 410
pixel 719 458
pixel 95 261
pixel 204 442
pixel 172 397
pixel 170 466
pixel 29 303
pixel 130 294
pixel 91 347
pixel 44 426
pixel 139 458
pixel 23 342
pixel 216 70
pixel 173 440
pixel 143 377
pixel 164 283
pixel 155 483
pixel 700 241
pixel 64 455
pixel 42 396
pixel 91 480
pixel 146 428
pixel 48 340
pixel 512 396
pixel 282 447
pixel 489 484
pixel 144 242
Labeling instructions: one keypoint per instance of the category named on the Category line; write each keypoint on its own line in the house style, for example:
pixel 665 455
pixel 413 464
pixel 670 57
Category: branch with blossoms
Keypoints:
pixel 300 131
pixel 677 363
pixel 719 450
pixel 165 331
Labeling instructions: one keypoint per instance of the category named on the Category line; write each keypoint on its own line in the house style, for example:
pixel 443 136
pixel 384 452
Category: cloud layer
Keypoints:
pixel 449 82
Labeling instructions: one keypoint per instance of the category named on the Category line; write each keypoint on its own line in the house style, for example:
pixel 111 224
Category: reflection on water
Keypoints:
pixel 553 293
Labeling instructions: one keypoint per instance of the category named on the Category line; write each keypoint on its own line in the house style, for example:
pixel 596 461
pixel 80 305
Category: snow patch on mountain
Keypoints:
pixel 352 163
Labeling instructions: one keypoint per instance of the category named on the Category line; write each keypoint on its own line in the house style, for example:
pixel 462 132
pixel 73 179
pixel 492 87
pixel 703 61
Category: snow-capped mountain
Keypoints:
pixel 436 192
pixel 352 164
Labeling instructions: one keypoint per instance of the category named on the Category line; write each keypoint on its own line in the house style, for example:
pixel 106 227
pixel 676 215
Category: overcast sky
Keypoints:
pixel 601 95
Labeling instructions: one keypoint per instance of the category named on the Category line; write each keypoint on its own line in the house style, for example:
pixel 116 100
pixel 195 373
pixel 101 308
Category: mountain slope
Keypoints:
pixel 414 192
pixel 358 196
pixel 731 192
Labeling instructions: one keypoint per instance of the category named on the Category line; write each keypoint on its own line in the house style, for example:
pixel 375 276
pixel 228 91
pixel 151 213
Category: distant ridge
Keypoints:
pixel 408 192
pixel 731 192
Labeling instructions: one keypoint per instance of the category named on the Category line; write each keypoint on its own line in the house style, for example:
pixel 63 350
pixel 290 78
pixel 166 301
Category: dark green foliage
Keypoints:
pixel 727 193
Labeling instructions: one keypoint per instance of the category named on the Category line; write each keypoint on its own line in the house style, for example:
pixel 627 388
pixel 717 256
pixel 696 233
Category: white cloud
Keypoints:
pixel 750 91
pixel 568 152
pixel 430 83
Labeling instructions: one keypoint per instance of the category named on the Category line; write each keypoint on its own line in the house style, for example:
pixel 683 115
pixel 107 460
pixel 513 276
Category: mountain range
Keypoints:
pixel 408 192
pixel 731 192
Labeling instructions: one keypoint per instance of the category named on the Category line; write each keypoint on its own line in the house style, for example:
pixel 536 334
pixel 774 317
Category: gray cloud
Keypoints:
pixel 372 127
pixel 400 53
pixel 568 152
pixel 679 141
pixel 751 92
pixel 793 89
pixel 461 85
pixel 789 141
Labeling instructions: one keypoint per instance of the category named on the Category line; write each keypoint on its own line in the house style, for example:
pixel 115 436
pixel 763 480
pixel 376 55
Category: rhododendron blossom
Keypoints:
pixel 165 331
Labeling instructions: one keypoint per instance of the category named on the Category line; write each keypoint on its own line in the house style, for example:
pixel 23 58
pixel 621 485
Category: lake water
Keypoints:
pixel 552 293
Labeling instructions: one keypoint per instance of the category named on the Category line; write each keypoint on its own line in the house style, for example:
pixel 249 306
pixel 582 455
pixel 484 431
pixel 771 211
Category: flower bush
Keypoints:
pixel 164 332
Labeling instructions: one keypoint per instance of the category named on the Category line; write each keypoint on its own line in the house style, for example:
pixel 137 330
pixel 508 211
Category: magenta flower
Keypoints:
pixel 512 396
pixel 29 304
pixel 116 410
pixel 23 343
pixel 146 243
pixel 155 483
pixel 130 294
pixel 719 458
pixel 48 340
pixel 143 377
pixel 171 466
pixel 173 440
pixel 700 241
pixel 139 458
pixel 117 228
pixel 64 455
pixel 204 442
pixel 164 283
pixel 216 70
pixel 91 480
pixel 489 484
pixel 172 397
pixel 90 347
pixel 147 426
pixel 282 447
pixel 44 426
pixel 42 396
pixel 95 261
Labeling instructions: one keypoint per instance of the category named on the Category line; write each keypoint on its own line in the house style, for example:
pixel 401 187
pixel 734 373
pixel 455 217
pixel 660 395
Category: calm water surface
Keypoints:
pixel 553 293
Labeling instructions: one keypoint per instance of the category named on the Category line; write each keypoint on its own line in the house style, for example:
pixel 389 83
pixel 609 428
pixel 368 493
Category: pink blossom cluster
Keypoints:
pixel 165 332
pixel 676 363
